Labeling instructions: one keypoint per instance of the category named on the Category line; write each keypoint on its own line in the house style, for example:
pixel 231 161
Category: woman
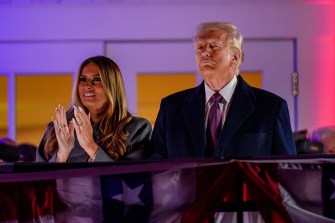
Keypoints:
pixel 98 127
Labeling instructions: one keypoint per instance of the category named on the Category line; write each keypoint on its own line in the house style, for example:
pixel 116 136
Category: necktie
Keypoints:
pixel 214 122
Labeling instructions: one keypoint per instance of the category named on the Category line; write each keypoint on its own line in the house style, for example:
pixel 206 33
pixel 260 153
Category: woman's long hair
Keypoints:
pixel 112 120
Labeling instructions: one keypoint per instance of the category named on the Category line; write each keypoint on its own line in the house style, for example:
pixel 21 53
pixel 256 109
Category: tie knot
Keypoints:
pixel 216 98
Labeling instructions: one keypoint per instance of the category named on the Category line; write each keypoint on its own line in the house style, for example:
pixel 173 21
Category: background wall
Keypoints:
pixel 49 37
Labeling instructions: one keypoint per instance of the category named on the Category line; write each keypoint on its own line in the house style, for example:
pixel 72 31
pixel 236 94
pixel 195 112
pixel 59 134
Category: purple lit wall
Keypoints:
pixel 52 39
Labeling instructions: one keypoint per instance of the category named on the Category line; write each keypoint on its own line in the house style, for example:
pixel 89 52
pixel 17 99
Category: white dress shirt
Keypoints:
pixel 226 92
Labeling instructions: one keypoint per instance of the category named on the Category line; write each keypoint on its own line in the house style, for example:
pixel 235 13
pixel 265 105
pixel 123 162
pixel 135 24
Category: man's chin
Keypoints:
pixel 207 66
pixel 206 72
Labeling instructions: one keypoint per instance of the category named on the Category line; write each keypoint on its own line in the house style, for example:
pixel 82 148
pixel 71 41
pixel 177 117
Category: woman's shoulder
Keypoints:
pixel 139 120
pixel 138 123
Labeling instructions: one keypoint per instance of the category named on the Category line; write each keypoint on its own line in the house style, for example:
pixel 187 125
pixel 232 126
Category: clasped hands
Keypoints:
pixel 81 123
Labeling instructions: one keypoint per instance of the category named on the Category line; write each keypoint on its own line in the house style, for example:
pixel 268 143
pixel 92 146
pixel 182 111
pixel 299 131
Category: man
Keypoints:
pixel 252 122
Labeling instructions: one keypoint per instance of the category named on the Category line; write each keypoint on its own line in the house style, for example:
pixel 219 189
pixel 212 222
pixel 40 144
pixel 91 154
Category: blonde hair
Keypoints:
pixel 114 118
pixel 234 40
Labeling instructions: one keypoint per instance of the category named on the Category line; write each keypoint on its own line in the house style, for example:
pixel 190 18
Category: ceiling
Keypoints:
pixel 90 2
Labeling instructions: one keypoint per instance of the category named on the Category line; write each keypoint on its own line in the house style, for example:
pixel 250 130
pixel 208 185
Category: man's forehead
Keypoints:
pixel 212 36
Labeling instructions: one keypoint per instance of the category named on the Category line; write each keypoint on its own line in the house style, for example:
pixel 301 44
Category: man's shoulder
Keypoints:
pixel 257 94
pixel 181 95
pixel 262 94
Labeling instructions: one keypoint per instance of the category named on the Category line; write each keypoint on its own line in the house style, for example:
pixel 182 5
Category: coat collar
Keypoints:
pixel 241 107
pixel 194 115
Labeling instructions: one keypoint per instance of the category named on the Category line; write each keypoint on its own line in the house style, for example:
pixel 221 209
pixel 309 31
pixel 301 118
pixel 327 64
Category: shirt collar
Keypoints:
pixel 226 92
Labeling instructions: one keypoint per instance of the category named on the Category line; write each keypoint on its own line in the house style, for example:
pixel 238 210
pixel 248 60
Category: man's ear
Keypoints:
pixel 235 59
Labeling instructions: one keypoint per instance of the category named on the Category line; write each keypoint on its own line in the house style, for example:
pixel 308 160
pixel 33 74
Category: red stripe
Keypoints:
pixel 213 184
pixel 26 201
pixel 217 184
pixel 261 181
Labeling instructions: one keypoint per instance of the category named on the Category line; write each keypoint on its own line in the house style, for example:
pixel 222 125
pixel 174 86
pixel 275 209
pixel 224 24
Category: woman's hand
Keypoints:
pixel 64 134
pixel 84 131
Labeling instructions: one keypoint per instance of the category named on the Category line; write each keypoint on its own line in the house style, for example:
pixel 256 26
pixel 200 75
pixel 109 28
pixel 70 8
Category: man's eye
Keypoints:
pixel 215 47
pixel 199 48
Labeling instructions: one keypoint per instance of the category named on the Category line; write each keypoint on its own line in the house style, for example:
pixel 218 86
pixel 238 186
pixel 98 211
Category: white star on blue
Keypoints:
pixel 129 196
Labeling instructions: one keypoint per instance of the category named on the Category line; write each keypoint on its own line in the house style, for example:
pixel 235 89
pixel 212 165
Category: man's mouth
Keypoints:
pixel 206 61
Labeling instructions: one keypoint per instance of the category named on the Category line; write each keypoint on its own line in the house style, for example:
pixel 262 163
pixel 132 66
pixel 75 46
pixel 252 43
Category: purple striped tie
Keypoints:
pixel 214 122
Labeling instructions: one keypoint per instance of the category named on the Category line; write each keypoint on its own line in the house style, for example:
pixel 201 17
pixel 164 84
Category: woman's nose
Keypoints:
pixel 89 83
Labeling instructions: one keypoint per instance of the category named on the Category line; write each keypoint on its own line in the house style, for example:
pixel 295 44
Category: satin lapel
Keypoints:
pixel 241 107
pixel 194 116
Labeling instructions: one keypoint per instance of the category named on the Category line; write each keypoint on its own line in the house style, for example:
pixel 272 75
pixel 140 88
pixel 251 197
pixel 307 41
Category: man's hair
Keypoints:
pixel 234 39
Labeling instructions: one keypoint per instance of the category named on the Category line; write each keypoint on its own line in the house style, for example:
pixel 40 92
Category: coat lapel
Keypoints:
pixel 194 115
pixel 240 109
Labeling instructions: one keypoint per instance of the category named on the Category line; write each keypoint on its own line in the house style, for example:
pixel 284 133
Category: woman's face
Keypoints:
pixel 90 89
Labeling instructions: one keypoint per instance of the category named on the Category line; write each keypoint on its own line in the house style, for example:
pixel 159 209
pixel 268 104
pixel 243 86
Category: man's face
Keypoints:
pixel 213 57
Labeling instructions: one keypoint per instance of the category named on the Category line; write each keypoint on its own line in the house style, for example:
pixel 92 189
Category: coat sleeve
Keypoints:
pixel 138 145
pixel 102 156
pixel 158 141
pixel 139 135
pixel 40 155
pixel 283 140
pixel 138 148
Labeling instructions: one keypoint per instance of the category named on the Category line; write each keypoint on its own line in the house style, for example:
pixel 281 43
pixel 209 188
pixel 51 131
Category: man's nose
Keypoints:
pixel 205 52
